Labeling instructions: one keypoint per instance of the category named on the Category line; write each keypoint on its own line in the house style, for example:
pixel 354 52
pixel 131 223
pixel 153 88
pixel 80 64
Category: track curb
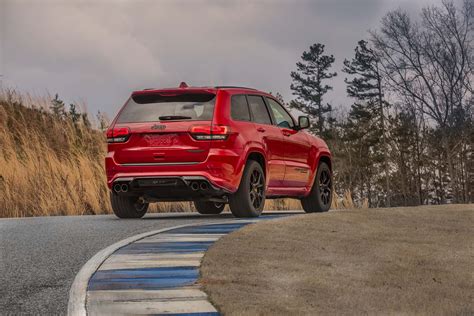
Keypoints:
pixel 78 291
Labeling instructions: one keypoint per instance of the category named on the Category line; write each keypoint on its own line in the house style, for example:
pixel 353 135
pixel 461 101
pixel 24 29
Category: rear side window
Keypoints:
pixel 259 110
pixel 155 107
pixel 239 109
pixel 282 118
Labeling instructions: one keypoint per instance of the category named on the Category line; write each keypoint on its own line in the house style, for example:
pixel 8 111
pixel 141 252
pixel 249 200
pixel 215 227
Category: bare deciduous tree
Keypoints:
pixel 431 62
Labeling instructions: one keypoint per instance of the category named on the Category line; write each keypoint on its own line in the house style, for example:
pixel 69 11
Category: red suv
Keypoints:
pixel 214 146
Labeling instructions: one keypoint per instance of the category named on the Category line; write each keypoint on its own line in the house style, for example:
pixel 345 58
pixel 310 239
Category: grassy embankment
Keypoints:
pixel 396 261
pixel 51 166
pixel 48 166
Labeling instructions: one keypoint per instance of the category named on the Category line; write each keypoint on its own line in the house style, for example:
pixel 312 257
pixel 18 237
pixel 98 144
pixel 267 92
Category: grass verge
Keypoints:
pixel 415 260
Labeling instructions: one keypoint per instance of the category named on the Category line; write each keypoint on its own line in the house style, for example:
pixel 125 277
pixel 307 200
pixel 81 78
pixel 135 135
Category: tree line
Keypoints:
pixel 75 115
pixel 408 136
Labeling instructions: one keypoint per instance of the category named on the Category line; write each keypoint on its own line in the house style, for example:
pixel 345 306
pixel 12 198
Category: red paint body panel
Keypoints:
pixel 291 157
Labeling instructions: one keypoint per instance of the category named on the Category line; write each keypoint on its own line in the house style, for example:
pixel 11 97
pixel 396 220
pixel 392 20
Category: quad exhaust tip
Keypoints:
pixel 199 185
pixel 194 186
pixel 120 187
pixel 204 186
pixel 124 187
pixel 117 188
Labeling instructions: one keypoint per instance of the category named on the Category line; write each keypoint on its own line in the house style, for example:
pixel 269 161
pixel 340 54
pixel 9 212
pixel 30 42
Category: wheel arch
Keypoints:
pixel 258 157
pixel 323 156
pixel 241 203
pixel 326 159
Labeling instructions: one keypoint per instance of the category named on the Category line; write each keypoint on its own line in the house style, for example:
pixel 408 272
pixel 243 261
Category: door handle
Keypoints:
pixel 285 133
pixel 158 156
pixel 260 129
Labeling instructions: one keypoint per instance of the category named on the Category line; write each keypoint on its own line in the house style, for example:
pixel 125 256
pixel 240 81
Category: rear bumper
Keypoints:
pixel 222 169
pixel 186 188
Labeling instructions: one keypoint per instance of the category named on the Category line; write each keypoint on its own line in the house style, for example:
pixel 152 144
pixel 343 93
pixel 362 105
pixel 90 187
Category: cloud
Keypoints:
pixel 100 51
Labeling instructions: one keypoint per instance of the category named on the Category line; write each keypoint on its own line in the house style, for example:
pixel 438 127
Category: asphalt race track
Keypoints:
pixel 40 256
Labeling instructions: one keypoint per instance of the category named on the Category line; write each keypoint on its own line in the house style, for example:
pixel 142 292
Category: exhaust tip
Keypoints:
pixel 117 188
pixel 194 186
pixel 204 186
pixel 124 187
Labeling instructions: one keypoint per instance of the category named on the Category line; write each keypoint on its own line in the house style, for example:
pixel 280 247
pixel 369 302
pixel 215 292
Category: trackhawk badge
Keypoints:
pixel 158 127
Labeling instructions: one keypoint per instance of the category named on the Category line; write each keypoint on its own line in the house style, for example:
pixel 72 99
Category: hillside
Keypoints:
pixel 49 165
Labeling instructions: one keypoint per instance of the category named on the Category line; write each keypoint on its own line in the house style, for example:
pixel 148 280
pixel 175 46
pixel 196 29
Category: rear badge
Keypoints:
pixel 162 140
pixel 158 127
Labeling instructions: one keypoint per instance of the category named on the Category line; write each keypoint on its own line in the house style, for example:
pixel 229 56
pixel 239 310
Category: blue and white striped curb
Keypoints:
pixel 153 274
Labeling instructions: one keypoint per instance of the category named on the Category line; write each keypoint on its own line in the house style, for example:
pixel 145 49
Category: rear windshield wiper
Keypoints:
pixel 174 117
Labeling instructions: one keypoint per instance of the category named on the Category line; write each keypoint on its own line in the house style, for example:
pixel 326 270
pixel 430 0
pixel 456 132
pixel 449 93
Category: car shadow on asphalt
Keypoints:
pixel 180 216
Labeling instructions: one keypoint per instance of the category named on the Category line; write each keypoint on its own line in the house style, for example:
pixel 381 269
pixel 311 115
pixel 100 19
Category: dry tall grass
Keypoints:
pixel 48 166
pixel 52 166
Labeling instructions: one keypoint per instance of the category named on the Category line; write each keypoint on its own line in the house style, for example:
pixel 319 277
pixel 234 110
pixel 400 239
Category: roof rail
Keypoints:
pixel 237 87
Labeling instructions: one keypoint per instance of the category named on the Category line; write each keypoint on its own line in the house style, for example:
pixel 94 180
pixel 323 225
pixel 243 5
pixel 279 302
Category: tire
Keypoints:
pixel 209 207
pixel 320 198
pixel 127 206
pixel 249 199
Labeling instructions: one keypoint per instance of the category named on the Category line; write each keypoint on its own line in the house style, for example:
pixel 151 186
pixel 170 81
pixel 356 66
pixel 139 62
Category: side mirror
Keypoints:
pixel 303 122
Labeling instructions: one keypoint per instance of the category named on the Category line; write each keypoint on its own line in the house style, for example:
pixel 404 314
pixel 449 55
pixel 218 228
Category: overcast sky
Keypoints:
pixel 99 51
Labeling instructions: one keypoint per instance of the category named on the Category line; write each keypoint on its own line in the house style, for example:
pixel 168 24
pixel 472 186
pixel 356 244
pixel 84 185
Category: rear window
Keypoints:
pixel 156 107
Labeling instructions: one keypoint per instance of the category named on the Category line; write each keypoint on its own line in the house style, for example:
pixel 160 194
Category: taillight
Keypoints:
pixel 118 134
pixel 209 132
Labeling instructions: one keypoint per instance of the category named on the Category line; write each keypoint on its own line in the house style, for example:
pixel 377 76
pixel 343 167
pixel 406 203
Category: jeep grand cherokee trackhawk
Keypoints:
pixel 214 146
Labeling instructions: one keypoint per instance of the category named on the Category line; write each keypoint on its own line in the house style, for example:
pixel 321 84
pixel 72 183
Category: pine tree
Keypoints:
pixel 309 86
pixel 362 140
pixel 406 189
pixel 74 115
pixel 57 107
pixel 366 86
